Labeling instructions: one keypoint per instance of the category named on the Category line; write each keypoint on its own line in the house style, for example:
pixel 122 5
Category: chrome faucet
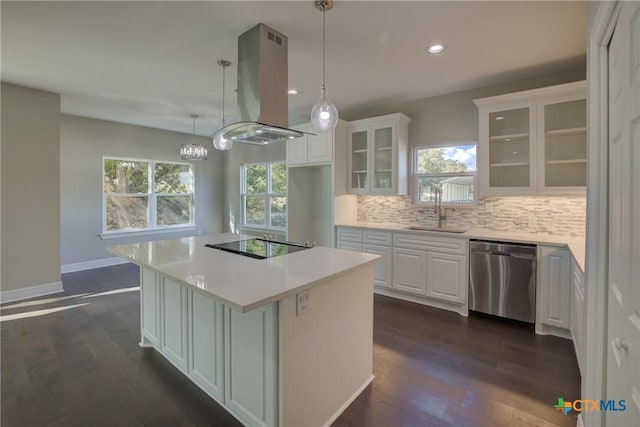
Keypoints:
pixel 438 209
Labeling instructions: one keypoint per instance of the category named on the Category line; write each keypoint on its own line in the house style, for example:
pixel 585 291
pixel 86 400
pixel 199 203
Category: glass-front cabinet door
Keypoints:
pixel 383 160
pixel 359 158
pixel 508 150
pixel 563 153
pixel 377 155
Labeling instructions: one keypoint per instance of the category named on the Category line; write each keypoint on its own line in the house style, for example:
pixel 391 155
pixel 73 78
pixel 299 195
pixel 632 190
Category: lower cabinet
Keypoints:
pixel 577 312
pixel 446 277
pixel 427 266
pixel 410 271
pixel 554 282
pixel 173 318
pixel 251 372
pixel 149 307
pixel 231 355
pixel 382 270
pixel 206 343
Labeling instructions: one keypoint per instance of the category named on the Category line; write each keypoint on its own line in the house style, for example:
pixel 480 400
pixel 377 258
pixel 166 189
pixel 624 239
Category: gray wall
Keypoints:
pixel 454 117
pixel 239 154
pixel 83 143
pixel 30 226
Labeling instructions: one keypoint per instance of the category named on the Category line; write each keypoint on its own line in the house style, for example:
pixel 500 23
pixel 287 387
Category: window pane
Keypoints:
pixel 255 210
pixel 126 176
pixel 278 178
pixel 172 178
pixel 279 212
pixel 456 189
pixel 127 212
pixel 459 158
pixel 256 178
pixel 173 210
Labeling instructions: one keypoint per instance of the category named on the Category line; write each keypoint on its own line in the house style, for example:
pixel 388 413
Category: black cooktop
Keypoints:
pixel 258 248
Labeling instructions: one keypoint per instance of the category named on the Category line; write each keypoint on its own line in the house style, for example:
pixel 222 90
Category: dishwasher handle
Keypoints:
pixel 502 253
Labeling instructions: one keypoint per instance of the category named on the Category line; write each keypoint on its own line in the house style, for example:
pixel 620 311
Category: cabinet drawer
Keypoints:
pixel 429 242
pixel 373 237
pixel 349 246
pixel 350 234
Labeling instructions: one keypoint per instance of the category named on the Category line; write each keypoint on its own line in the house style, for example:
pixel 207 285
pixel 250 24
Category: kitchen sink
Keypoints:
pixel 441 230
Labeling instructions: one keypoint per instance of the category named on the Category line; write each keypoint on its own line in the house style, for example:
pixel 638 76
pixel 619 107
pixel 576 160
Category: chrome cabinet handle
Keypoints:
pixel 620 344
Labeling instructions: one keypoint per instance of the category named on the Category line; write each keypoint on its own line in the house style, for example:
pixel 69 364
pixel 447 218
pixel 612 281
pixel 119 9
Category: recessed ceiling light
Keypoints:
pixel 293 91
pixel 435 48
pixel 500 118
pixel 508 139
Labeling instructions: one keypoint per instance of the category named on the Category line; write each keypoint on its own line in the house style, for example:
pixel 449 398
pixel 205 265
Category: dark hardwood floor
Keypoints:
pixel 73 359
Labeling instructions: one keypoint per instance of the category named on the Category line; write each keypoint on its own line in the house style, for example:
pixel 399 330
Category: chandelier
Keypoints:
pixel 193 151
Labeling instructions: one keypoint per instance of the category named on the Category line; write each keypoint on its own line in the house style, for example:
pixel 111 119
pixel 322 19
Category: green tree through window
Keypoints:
pixel 264 189
pixel 145 194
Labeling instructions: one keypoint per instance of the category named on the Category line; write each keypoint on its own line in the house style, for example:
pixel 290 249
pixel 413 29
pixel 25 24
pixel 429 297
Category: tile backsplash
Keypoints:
pixel 537 214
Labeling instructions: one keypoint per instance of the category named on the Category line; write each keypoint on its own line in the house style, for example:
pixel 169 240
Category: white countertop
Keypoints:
pixel 575 244
pixel 243 282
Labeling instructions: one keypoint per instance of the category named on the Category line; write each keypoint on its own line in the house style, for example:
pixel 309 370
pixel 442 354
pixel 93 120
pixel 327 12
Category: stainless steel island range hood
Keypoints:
pixel 263 103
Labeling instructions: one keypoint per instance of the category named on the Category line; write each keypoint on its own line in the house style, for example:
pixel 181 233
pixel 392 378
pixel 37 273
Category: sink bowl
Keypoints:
pixel 441 230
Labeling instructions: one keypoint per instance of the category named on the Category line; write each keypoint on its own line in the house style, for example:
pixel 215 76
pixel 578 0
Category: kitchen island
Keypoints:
pixel 281 341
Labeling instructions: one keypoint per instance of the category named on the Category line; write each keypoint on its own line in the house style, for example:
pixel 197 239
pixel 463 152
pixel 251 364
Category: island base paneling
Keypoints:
pixel 270 366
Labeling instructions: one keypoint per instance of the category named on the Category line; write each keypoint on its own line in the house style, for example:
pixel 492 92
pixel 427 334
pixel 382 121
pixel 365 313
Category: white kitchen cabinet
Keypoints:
pixel 377 155
pixel 313 148
pixel 173 342
pixel 554 285
pixel 410 271
pixel 533 141
pixel 150 302
pixel 251 383
pixel 383 268
pixel 577 312
pixel 349 246
pixel 445 265
pixel 446 277
pixel 206 343
pixel 377 242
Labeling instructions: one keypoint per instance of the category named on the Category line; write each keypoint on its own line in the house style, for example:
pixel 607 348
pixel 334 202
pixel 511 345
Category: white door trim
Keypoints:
pixel 594 381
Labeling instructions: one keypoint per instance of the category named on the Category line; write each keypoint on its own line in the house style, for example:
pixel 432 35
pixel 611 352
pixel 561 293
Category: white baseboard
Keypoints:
pixel 88 265
pixel 349 401
pixel 31 292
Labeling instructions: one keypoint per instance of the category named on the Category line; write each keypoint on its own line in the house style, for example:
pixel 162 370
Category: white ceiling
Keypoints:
pixel 154 63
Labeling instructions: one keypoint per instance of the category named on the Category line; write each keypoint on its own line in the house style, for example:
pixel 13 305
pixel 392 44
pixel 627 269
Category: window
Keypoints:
pixel 264 195
pixel 450 170
pixel 143 195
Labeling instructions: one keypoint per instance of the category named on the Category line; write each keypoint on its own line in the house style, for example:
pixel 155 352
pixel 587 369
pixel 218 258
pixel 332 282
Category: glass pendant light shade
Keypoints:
pixel 324 115
pixel 221 143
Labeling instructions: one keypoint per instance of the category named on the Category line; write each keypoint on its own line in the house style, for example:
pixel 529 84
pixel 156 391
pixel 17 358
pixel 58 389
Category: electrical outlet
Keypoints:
pixel 303 303
pixel 533 222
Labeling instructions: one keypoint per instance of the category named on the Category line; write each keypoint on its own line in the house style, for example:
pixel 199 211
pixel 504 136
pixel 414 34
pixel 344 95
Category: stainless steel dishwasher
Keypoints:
pixel 502 279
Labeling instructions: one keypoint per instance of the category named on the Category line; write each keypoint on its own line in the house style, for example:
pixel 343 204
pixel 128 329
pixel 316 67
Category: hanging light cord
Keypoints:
pixel 323 48
pixel 194 124
pixel 224 67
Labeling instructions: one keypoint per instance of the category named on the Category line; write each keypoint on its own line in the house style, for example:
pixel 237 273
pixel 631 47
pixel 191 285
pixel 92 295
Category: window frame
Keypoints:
pixel 268 195
pixel 416 175
pixel 152 196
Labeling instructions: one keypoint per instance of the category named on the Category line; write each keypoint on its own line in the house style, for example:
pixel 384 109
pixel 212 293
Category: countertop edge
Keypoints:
pixel 531 238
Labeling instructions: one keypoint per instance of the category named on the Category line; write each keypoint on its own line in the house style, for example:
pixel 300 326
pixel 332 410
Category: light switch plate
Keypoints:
pixel 303 303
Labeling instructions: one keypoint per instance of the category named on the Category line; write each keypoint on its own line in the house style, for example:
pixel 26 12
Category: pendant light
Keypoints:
pixel 193 151
pixel 324 114
pixel 219 141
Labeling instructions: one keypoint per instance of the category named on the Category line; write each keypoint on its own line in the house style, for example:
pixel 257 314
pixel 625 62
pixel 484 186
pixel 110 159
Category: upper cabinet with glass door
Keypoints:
pixel 533 141
pixel 378 155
